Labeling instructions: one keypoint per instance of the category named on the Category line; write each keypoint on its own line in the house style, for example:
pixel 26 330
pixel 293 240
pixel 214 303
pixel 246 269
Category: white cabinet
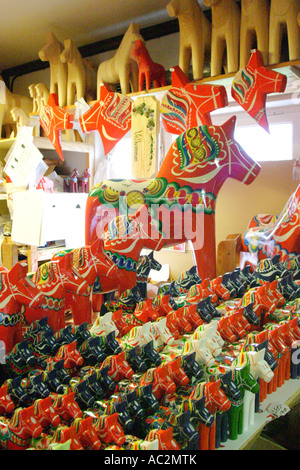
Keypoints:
pixel 40 217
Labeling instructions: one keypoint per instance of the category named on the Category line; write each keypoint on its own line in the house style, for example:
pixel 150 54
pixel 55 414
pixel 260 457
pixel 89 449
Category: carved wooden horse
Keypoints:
pixel 17 433
pixel 16 290
pixel 89 262
pixel 148 70
pixel 76 85
pixel 145 264
pixel 191 175
pixel 58 70
pixel 194 35
pixel 121 68
pixel 8 101
pixel 188 104
pixel 252 84
pixel 53 279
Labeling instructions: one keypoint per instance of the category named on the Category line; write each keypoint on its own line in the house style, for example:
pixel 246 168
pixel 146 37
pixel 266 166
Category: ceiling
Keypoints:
pixel 24 24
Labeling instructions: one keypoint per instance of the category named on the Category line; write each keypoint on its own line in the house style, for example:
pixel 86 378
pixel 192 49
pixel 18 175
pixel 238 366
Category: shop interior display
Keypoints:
pixel 194 383
pixel 91 361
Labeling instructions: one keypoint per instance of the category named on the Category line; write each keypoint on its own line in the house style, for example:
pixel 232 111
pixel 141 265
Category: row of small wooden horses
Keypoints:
pixel 163 385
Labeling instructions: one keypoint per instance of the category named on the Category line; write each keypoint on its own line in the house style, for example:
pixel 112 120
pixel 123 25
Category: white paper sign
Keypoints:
pixel 24 162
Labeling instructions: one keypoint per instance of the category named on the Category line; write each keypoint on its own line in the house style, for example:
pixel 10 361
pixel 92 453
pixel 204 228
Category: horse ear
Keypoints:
pixel 178 77
pixel 18 271
pixel 53 100
pixel 229 127
pixel 256 60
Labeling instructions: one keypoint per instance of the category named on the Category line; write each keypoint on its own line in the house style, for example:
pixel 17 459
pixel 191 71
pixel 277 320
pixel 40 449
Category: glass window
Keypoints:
pixel 261 146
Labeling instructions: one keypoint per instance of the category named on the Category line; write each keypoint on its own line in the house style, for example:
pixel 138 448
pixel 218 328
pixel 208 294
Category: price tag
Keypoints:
pixel 278 409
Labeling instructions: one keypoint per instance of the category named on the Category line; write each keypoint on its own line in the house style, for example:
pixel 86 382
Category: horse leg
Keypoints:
pixel 203 432
pixel 205 247
pixel 275 39
pixel 141 81
pixel 185 55
pixel 212 437
pixel 293 31
pixel 232 43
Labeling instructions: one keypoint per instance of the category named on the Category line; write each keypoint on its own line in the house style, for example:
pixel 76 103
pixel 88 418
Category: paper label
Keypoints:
pixel 278 409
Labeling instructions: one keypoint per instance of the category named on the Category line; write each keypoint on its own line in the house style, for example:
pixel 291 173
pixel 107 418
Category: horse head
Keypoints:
pixel 147 398
pixel 203 353
pixel 70 355
pixel 191 367
pixel 215 398
pixel 209 154
pixel 177 372
pixel 165 438
pixel 86 433
pixel 45 414
pixel 67 407
pixel 259 366
pixel 103 325
pixel 6 403
pixel 257 81
pixel 109 429
pixel 24 424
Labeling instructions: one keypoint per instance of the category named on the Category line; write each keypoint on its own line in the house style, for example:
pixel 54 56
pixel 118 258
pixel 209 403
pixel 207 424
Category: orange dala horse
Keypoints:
pixel 187 185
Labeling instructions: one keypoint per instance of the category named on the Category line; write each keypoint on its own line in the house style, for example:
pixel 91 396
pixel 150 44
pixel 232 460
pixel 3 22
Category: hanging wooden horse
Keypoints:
pixel 110 116
pixel 251 86
pixel 187 104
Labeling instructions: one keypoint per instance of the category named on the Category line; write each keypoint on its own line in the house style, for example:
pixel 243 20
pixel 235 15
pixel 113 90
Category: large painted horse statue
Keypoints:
pixel 269 235
pixel 187 185
pixel 15 290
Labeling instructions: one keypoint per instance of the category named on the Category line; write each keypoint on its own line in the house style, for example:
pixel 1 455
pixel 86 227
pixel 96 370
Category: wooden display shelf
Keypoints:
pixel 36 254
pixel 288 393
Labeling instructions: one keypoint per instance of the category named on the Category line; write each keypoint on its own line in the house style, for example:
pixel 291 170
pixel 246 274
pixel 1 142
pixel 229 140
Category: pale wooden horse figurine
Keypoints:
pixel 121 68
pixel 8 101
pixel 58 70
pixel 22 119
pixel 76 84
pixel 254 24
pixel 284 14
pixel 35 100
pixel 226 19
pixel 149 71
pixel 42 94
pixel 194 35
